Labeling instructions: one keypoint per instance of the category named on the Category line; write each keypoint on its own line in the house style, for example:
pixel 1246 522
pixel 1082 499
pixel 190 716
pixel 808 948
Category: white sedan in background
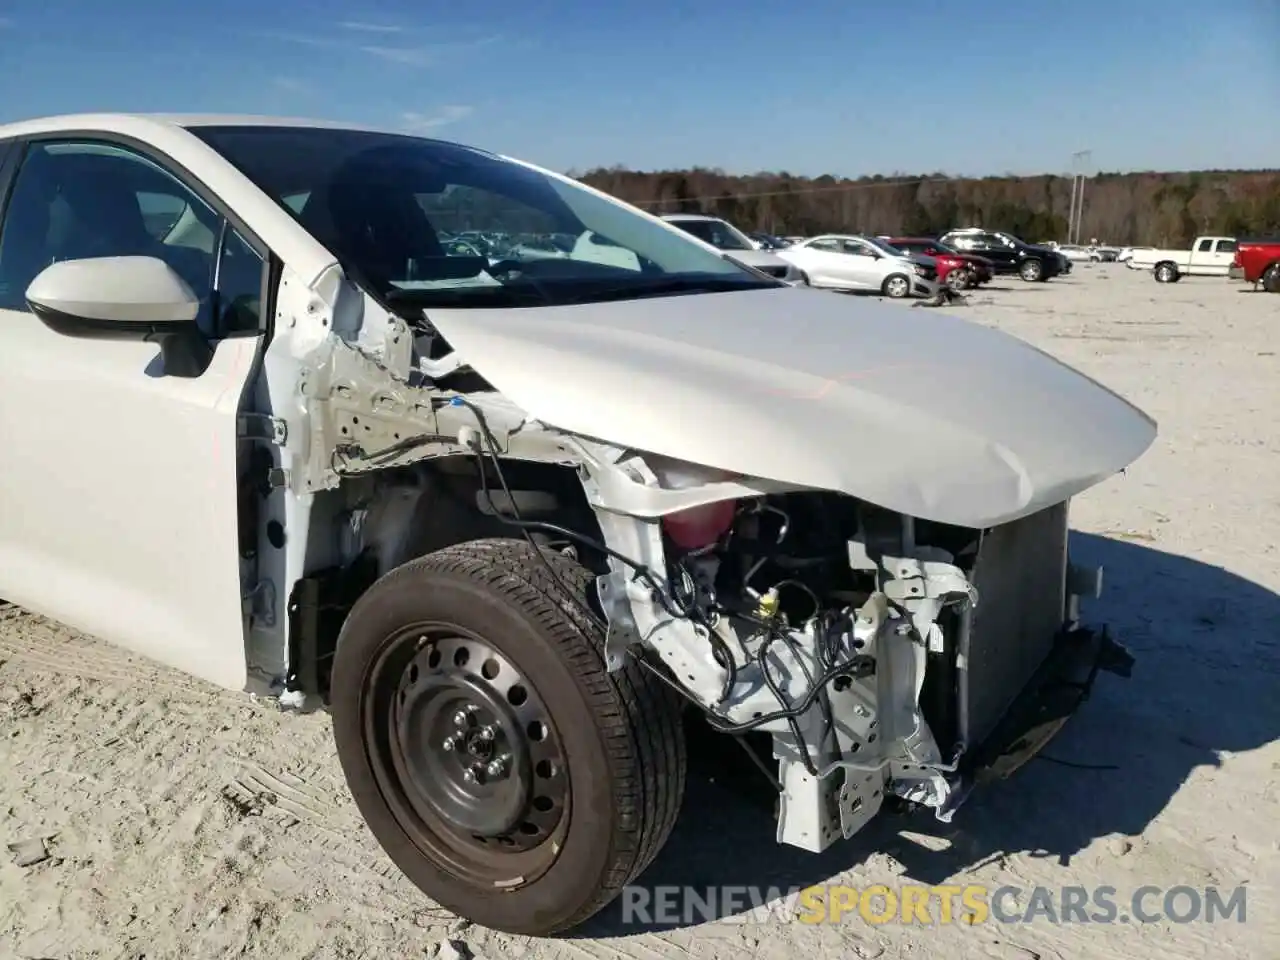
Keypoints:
pixel 724 236
pixel 839 262
pixel 1077 253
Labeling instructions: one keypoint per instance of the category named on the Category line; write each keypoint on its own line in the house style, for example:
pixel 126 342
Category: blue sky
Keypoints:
pixel 847 87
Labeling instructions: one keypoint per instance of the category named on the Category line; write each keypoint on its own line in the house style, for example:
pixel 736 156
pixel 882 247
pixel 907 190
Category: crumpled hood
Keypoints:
pixel 918 411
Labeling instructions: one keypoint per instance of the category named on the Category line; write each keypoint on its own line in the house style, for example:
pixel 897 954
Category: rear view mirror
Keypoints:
pixel 124 298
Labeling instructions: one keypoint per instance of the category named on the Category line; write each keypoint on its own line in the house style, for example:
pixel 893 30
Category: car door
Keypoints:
pixel 987 245
pixel 118 504
pixel 866 264
pixel 1224 253
pixel 821 258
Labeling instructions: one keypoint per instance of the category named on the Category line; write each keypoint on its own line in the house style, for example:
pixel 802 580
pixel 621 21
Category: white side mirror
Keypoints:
pixel 124 298
pixel 112 297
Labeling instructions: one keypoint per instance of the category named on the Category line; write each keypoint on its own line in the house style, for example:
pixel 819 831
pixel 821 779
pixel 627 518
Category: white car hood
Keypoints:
pixel 918 411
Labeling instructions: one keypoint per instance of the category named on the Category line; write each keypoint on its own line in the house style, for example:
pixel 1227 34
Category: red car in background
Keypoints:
pixel 1257 262
pixel 960 271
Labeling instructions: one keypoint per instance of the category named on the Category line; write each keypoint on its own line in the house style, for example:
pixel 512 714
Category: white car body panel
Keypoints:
pixel 974 427
pixel 123 518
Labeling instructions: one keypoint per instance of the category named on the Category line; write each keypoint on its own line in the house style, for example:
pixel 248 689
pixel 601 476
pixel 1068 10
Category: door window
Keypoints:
pixel 1226 246
pixel 855 247
pixel 1205 246
pixel 77 200
pixel 827 244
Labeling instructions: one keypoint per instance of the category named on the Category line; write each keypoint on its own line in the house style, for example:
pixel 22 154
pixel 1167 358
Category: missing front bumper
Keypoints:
pixel 1063 682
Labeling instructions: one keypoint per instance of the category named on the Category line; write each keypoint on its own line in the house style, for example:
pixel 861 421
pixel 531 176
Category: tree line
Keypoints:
pixel 1157 209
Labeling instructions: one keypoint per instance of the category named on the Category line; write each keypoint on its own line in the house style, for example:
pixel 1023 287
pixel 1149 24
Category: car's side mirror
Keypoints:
pixel 124 298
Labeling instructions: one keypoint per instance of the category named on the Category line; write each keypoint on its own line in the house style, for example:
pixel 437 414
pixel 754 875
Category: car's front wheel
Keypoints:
pixel 1031 271
pixel 503 770
pixel 1271 279
pixel 896 286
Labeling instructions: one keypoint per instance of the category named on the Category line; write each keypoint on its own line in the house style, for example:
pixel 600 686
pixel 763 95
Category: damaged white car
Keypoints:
pixel 509 520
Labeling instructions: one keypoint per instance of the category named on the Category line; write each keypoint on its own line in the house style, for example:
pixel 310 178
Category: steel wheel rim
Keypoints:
pixel 438 682
pixel 958 279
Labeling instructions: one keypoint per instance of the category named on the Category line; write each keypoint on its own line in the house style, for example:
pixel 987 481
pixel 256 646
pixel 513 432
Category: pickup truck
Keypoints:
pixel 1257 262
pixel 1208 257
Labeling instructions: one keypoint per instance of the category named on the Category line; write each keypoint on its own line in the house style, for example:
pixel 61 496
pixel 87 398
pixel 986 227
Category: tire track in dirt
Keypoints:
pixel 45 645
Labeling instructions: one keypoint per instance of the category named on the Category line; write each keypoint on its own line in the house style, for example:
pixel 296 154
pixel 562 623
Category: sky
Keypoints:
pixel 842 87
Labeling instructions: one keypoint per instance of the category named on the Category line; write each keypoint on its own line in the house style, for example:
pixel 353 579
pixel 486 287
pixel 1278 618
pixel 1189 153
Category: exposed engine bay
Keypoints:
pixel 846 632
pixel 879 652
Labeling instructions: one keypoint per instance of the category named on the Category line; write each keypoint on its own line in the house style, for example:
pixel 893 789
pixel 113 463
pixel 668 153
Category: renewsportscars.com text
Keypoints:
pixel 929 905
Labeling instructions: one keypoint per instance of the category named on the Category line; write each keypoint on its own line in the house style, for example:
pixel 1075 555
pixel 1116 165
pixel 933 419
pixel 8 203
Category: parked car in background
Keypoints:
pixel 1127 254
pixel 1008 254
pixel 723 235
pixel 958 270
pixel 766 241
pixel 1208 257
pixel 1107 254
pixel 1257 262
pixel 1078 254
pixel 850 262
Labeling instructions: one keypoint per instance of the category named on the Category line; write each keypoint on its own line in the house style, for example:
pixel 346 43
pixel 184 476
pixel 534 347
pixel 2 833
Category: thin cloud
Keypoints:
pixel 422 122
pixel 426 54
pixel 304 39
pixel 413 56
pixel 363 27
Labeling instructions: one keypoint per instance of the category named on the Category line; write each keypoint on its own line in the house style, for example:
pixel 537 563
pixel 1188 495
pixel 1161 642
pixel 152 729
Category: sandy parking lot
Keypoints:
pixel 189 822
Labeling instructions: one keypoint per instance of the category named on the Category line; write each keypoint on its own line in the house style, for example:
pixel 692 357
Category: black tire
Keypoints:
pixel 1271 279
pixel 623 731
pixel 1166 272
pixel 1031 270
pixel 896 286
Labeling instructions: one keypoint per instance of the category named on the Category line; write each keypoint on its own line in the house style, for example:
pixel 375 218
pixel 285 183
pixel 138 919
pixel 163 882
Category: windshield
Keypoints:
pixel 426 222
pixel 718 233
pixel 884 246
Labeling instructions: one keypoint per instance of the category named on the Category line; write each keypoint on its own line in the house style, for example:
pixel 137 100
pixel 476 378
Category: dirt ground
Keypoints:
pixel 186 822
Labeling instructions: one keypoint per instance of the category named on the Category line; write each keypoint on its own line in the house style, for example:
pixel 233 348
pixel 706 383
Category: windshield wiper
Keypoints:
pixel 668 286
pixel 504 295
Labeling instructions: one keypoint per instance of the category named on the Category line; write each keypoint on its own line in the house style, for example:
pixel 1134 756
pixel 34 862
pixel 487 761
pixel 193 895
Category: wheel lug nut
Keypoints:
pixel 463 717
pixel 472 774
pixel 496 768
pixel 451 742
pixel 488 732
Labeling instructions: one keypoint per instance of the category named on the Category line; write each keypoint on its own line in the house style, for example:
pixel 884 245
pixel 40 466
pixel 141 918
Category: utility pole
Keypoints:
pixel 1081 161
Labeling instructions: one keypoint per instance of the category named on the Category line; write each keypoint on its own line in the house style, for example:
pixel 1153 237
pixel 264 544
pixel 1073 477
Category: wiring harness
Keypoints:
pixel 774 628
